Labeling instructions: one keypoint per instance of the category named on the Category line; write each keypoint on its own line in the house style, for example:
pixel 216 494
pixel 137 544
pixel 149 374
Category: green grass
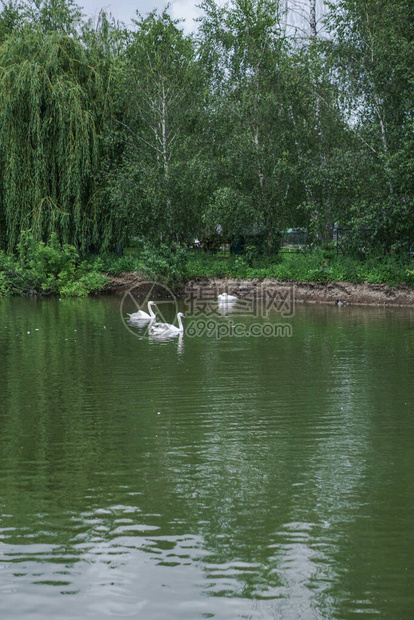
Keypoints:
pixel 316 266
pixel 312 267
pixel 56 269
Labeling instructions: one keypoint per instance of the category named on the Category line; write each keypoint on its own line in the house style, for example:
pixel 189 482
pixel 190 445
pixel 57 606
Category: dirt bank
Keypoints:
pixel 306 292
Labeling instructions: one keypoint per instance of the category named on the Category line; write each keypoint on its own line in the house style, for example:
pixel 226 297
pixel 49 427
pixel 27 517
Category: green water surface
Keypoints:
pixel 204 477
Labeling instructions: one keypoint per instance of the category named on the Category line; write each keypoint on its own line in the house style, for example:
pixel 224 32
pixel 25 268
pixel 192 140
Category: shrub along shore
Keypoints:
pixel 38 269
pixel 317 276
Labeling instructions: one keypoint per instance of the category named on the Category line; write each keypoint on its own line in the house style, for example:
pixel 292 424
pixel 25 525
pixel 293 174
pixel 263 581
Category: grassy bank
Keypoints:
pixel 318 266
pixel 314 267
pixel 40 269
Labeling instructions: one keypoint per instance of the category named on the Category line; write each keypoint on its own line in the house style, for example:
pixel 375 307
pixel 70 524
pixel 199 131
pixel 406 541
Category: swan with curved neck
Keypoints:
pixel 144 316
pixel 166 328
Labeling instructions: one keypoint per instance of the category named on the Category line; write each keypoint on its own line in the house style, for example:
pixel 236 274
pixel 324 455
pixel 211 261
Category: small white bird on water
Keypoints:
pixel 163 329
pixel 144 316
pixel 225 298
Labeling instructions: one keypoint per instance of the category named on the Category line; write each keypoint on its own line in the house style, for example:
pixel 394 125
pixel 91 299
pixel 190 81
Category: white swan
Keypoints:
pixel 225 298
pixel 144 316
pixel 163 329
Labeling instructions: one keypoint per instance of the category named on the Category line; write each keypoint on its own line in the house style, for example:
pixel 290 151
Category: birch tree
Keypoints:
pixel 160 95
pixel 252 77
pixel 372 49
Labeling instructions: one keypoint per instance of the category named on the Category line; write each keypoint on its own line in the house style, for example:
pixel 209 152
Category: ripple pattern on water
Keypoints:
pixel 232 478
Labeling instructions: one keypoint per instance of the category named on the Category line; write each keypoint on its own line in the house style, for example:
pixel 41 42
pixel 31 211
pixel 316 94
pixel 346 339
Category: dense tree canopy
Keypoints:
pixel 161 90
pixel 373 53
pixel 108 132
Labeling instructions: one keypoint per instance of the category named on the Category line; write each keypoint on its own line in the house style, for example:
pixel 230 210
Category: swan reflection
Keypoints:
pixel 166 338
pixel 226 307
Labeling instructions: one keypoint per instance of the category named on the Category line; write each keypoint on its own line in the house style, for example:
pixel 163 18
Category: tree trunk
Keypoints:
pixel 165 154
pixel 312 19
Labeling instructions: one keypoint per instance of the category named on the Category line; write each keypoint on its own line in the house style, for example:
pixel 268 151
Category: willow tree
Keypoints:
pixel 50 118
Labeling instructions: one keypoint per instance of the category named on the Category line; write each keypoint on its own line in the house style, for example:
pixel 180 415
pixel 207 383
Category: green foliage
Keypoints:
pixel 168 262
pixel 205 265
pixel 371 51
pixel 40 268
pixel 318 266
pixel 156 186
pixel 108 133
pixel 51 111
pixel 250 119
pixel 115 265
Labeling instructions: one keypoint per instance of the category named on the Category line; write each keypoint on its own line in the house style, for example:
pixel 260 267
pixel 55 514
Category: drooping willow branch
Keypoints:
pixel 49 130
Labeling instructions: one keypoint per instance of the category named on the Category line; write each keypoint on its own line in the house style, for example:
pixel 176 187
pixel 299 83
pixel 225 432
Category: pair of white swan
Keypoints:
pixel 166 329
pixel 157 329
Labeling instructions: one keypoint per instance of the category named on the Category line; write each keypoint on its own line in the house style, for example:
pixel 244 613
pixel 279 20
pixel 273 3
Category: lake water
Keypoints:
pixel 205 477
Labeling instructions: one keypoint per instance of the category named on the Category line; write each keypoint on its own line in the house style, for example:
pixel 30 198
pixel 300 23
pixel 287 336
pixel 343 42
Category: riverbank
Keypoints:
pixel 38 269
pixel 363 293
